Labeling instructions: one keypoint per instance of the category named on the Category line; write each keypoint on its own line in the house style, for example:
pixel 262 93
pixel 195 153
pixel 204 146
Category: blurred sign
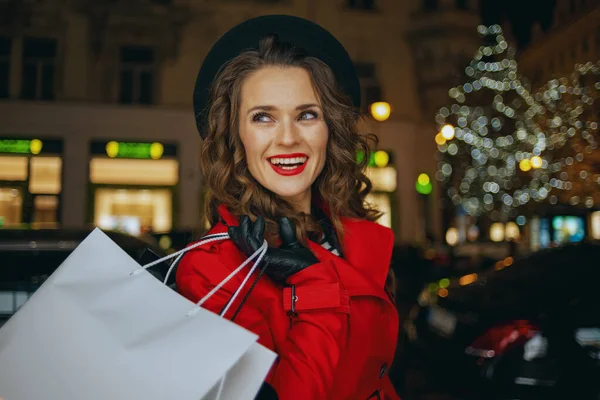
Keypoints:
pixel 30 146
pixel 20 146
pixel 136 150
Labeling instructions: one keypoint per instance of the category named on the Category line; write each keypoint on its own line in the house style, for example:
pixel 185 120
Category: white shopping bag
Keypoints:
pixel 95 330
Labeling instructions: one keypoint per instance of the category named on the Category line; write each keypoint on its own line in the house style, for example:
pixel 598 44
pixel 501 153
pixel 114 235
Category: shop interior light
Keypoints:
pixel 511 231
pixel 452 237
pixel 497 232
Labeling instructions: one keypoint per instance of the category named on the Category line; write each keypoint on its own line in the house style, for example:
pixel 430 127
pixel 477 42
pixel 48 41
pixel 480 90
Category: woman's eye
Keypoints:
pixel 308 115
pixel 261 117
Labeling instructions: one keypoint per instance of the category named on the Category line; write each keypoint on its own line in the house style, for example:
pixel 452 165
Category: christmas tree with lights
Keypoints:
pixel 490 147
pixel 571 120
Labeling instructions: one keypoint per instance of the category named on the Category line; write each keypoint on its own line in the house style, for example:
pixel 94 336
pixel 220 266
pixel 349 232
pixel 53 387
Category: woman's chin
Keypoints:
pixel 290 193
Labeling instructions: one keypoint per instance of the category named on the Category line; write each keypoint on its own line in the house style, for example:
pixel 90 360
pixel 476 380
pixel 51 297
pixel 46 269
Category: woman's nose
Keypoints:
pixel 287 133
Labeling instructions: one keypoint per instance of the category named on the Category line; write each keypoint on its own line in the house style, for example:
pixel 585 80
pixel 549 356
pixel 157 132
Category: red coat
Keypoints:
pixel 342 339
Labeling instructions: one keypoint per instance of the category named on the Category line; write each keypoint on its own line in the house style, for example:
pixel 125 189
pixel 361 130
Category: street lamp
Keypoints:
pixel 380 111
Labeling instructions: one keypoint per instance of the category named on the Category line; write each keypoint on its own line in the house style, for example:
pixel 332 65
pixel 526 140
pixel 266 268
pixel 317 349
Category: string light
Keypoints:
pixel 496 161
pixel 571 120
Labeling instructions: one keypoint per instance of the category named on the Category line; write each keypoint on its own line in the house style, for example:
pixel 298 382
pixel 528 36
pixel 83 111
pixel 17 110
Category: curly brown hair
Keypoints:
pixel 340 188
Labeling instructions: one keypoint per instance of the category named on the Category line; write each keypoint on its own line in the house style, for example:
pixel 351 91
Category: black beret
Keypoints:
pixel 303 34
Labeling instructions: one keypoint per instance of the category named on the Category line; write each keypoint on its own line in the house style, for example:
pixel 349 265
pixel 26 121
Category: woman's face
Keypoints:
pixel 283 132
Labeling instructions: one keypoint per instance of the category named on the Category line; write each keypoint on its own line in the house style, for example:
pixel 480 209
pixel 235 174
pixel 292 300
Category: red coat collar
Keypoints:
pixel 368 249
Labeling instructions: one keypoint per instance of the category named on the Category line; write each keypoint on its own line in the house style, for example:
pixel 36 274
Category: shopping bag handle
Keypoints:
pixel 206 239
pixel 258 254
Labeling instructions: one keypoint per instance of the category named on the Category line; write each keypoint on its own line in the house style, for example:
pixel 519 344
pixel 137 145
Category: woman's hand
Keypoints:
pixel 282 262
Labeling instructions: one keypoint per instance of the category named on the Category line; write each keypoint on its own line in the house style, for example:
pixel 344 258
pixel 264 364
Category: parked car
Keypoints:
pixel 526 329
pixel 29 257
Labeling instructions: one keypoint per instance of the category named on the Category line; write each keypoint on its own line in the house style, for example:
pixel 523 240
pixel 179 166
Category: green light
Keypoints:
pixel 18 146
pixel 360 155
pixel 134 150
pixel 424 189
pixel 372 159
pixel 444 283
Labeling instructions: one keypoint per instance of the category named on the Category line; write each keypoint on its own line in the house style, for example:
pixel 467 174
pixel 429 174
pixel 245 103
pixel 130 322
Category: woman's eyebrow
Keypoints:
pixel 271 108
pixel 305 106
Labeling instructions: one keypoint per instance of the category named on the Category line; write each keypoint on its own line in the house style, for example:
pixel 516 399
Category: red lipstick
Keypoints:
pixel 288 169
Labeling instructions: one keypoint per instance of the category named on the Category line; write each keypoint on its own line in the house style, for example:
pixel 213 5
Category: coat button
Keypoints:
pixel 382 371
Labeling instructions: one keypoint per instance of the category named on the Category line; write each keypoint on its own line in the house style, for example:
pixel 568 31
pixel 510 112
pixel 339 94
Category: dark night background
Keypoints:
pixel 521 14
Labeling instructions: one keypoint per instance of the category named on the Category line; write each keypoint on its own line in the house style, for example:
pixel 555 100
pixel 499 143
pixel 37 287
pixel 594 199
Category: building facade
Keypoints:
pixel 96 123
pixel 573 38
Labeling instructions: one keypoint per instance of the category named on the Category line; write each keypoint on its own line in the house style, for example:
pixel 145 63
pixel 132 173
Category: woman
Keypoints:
pixel 279 161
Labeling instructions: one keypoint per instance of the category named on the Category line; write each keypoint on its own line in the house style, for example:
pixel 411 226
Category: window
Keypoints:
pixel 134 172
pixel 5 48
pixel 11 207
pixel 369 85
pixel 13 168
pixel 137 75
pixel 11 301
pixel 361 4
pixel 429 5
pixel 381 201
pixel 45 176
pixel 45 212
pixel 134 211
pixel 39 68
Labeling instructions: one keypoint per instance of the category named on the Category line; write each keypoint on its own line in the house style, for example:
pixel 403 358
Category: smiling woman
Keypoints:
pixel 287 140
pixel 279 157
pixel 283 105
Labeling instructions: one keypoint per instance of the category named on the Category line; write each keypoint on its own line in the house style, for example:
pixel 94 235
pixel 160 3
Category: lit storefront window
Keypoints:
pixel 13 168
pixel 595 225
pixel 133 186
pixel 381 202
pixel 134 210
pixel 30 182
pixel 45 175
pixel 134 172
pixel 11 207
pixel 497 232
pixel 382 174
